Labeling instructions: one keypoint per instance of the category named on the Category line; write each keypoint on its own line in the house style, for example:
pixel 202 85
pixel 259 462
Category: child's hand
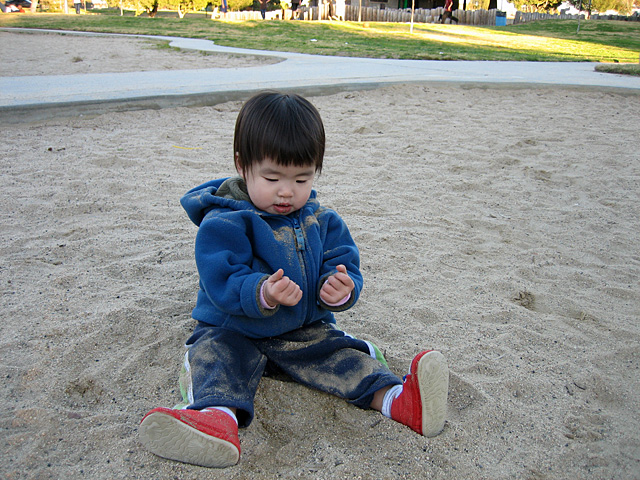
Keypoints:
pixel 281 290
pixel 337 286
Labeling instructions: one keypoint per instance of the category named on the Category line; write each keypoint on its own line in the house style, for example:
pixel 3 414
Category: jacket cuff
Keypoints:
pixel 263 306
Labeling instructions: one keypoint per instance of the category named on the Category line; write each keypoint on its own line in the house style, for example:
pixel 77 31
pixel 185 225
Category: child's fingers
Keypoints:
pixel 291 298
pixel 276 276
pixel 340 278
pixel 286 291
pixel 288 287
pixel 330 295
pixel 335 288
pixel 328 289
pixel 342 275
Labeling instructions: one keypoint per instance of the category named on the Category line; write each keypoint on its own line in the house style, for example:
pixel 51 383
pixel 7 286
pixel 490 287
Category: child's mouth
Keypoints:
pixel 282 208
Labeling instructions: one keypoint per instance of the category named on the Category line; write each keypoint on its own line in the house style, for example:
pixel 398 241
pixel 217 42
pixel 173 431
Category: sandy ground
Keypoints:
pixel 53 54
pixel 499 226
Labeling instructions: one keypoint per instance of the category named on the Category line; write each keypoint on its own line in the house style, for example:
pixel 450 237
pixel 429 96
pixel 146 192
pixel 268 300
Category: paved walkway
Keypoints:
pixel 34 97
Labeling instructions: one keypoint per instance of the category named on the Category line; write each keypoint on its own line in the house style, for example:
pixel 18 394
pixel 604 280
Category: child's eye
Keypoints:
pixel 271 179
pixel 302 181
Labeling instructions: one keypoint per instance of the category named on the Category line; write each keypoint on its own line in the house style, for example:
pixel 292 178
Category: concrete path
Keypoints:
pixel 34 97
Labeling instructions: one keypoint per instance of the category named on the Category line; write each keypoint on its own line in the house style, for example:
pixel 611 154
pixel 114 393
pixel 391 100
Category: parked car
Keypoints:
pixel 17 5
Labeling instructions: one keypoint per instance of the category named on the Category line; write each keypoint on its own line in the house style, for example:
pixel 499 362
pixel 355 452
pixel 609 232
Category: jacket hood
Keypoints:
pixel 228 193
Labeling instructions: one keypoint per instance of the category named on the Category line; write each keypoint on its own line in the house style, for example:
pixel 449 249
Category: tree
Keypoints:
pixel 234 5
pixel 184 6
pixel 623 7
pixel 476 5
pixel 537 5
pixel 149 6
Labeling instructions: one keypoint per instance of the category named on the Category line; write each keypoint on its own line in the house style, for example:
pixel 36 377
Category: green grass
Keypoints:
pixel 621 69
pixel 549 40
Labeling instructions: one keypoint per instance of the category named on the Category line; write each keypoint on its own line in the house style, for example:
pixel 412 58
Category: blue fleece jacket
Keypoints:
pixel 238 247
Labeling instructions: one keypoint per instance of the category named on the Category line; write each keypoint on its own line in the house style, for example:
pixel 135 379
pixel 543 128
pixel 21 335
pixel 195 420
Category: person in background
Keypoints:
pixel 448 12
pixel 294 9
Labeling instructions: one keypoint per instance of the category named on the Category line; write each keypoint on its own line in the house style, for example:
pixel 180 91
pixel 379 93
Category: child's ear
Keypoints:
pixel 236 160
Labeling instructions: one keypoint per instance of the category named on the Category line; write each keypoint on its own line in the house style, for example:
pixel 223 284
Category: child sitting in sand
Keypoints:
pixel 274 265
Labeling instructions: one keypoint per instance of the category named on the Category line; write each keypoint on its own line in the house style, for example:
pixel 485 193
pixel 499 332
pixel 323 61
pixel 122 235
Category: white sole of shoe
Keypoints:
pixel 433 378
pixel 169 438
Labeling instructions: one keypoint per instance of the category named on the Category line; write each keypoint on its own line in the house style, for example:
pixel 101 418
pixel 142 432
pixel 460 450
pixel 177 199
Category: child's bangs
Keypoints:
pixel 288 143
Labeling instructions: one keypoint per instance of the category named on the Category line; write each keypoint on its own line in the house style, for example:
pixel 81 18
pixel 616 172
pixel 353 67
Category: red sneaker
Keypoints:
pixel 422 405
pixel 208 438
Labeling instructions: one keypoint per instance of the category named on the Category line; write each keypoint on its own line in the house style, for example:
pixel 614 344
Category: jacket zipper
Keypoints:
pixel 301 246
pixel 297 229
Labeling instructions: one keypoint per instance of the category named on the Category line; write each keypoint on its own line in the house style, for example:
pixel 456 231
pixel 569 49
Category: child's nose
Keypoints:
pixel 285 190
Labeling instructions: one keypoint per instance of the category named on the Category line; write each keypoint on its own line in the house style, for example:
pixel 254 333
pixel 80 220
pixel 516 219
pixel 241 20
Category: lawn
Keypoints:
pixel 548 40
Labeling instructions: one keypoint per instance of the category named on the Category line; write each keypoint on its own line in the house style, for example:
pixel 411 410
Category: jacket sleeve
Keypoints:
pixel 338 249
pixel 224 260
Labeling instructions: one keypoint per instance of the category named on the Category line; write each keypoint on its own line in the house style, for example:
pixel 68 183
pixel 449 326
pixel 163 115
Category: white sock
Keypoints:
pixel 388 399
pixel 226 410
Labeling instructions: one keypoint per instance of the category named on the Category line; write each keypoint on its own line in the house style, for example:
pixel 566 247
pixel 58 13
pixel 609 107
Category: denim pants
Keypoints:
pixel 223 368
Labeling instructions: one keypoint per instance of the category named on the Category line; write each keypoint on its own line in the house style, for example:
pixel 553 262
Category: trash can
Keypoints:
pixel 501 18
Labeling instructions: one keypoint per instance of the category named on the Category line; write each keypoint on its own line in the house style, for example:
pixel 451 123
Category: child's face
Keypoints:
pixel 278 189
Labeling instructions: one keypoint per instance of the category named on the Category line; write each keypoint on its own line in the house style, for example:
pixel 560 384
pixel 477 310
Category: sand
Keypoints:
pixel 497 225
pixel 69 54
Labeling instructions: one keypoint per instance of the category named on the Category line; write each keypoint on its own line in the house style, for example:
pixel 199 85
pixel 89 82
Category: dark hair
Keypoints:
pixel 284 128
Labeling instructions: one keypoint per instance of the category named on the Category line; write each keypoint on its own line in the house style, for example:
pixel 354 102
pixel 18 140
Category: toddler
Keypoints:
pixel 274 266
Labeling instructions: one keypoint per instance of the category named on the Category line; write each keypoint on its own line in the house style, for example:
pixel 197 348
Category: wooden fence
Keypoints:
pixel 374 14
pixel 523 17
pixel 420 15
pixel 631 18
